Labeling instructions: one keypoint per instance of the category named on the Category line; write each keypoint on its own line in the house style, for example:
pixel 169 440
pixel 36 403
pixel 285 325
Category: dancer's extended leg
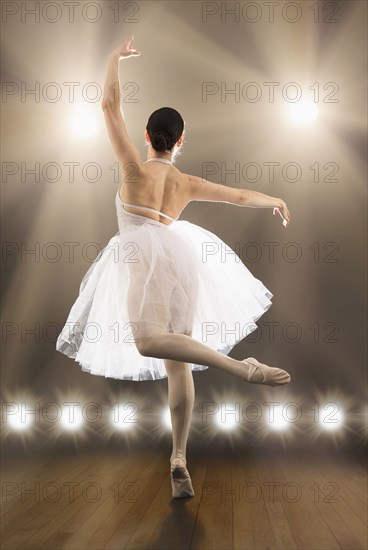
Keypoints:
pixel 184 348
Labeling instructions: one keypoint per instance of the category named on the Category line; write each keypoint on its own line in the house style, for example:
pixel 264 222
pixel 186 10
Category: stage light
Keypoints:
pixel 303 111
pixel 226 417
pixel 166 418
pixel 71 418
pixel 330 418
pixel 83 122
pixel 276 419
pixel 121 417
pixel 17 421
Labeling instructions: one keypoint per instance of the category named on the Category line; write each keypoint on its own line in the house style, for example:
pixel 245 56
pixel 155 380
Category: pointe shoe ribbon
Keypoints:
pixel 272 376
pixel 181 482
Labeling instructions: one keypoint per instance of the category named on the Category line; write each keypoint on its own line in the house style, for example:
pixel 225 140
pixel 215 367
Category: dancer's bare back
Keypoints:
pixel 164 188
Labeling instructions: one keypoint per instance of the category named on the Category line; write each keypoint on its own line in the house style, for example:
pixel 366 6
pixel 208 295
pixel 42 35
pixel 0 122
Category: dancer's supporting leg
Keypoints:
pixel 181 402
pixel 181 394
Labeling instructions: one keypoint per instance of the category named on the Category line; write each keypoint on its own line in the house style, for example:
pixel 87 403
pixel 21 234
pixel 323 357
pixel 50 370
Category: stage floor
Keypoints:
pixel 119 500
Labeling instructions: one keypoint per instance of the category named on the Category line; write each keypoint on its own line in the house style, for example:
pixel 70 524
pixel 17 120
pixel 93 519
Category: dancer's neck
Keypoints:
pixel 155 155
pixel 159 159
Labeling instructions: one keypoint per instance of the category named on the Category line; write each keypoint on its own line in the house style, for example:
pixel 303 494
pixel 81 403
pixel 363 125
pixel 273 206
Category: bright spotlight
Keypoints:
pixel 71 418
pixel 83 123
pixel 303 111
pixel 277 420
pixel 121 417
pixel 330 418
pixel 19 422
pixel 166 418
pixel 226 418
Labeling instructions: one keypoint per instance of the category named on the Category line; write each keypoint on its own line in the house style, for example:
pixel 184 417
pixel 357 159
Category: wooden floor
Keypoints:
pixel 115 500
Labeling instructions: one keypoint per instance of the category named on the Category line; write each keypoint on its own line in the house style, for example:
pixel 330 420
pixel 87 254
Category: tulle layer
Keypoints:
pixel 151 278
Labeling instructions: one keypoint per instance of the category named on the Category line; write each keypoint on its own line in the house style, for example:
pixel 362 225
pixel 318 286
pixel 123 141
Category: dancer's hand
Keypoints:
pixel 283 211
pixel 125 49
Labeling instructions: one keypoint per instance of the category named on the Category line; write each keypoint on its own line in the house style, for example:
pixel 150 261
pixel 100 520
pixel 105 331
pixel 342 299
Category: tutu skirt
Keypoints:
pixel 151 278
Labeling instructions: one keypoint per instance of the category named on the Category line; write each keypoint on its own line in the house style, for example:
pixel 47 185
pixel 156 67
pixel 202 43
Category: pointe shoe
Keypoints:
pixel 181 483
pixel 271 376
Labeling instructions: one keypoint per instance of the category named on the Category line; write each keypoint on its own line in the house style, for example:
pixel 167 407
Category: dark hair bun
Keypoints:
pixel 164 127
pixel 159 142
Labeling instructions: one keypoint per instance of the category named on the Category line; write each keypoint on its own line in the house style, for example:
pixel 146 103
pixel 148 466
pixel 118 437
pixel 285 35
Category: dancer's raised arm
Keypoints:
pixel 204 190
pixel 125 150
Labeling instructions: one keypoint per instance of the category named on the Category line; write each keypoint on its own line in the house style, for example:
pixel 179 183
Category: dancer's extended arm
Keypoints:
pixel 125 150
pixel 204 190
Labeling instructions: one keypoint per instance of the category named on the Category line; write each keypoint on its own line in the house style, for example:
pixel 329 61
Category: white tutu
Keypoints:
pixel 151 278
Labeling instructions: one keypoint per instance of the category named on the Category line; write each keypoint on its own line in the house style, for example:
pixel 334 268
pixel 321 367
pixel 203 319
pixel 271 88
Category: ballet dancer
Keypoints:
pixel 168 293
